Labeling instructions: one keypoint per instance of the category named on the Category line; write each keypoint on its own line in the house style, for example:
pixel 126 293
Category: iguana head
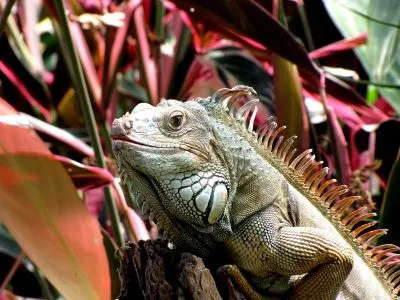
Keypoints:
pixel 173 146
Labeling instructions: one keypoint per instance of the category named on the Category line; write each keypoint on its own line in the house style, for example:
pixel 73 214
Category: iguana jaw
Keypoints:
pixel 150 204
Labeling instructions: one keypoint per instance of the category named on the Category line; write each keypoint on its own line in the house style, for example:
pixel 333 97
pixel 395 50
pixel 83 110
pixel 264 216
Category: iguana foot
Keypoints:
pixel 245 287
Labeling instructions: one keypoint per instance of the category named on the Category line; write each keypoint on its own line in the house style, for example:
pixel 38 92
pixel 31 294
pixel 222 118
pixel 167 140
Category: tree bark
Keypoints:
pixel 151 270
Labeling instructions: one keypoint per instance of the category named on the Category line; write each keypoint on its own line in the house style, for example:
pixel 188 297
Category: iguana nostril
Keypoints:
pixel 117 129
pixel 128 124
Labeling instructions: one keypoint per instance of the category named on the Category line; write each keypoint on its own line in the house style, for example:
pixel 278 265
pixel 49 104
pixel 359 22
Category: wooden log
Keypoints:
pixel 152 270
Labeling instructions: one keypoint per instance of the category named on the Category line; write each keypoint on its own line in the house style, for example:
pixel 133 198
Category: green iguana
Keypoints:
pixel 211 181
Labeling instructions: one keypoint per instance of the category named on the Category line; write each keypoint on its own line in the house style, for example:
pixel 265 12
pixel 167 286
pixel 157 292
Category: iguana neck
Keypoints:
pixel 251 175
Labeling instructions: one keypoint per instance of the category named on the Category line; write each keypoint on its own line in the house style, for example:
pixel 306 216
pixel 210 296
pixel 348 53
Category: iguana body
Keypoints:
pixel 211 182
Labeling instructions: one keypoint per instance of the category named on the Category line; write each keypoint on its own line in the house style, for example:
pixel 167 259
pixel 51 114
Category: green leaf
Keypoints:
pixel 290 109
pixel 126 85
pixel 8 244
pixel 381 56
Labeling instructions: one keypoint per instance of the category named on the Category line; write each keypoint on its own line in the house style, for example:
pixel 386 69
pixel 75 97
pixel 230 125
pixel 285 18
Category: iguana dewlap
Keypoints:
pixel 210 180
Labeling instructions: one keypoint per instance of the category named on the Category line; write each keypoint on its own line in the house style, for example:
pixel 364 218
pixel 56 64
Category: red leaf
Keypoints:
pixel 87 62
pixel 6 108
pixel 349 102
pixel 85 177
pixel 95 6
pixel 249 20
pixel 8 72
pixel 41 209
pixel 343 45
pixel 147 62
pixel 138 228
pixel 168 62
pixel 8 115
pixel 118 43
pixel 201 80
pixel 341 148
pixel 203 39
pixel 138 225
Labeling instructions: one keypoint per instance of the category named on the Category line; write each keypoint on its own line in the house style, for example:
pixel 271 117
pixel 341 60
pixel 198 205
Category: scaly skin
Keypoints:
pixel 211 183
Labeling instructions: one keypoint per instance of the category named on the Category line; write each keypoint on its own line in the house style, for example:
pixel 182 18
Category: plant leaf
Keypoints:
pixel 343 45
pixel 116 49
pixel 381 56
pixel 85 177
pixel 290 108
pixel 24 120
pixel 9 73
pixel 148 66
pixel 249 21
pixel 342 95
pixel 341 148
pixel 43 212
pixel 7 243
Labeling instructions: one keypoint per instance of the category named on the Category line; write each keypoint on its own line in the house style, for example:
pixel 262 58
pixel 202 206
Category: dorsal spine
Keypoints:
pixel 308 176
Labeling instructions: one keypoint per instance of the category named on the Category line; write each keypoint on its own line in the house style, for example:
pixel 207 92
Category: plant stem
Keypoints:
pixel 87 110
pixel 5 14
pixel 306 27
pixel 105 133
pixel 160 33
pixel 105 94
pixel 332 138
pixel 369 82
pixel 11 25
pixel 12 271
pixel 160 12
pixel 372 94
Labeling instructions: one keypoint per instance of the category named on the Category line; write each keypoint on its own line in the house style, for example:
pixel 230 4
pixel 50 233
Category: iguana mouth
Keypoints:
pixel 158 145
pixel 149 144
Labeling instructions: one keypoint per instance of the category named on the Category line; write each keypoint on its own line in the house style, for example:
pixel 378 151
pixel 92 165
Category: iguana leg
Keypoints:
pixel 326 260
pixel 266 244
pixel 245 287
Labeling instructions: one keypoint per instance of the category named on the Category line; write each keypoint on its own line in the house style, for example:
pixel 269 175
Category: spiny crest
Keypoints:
pixel 309 176
pixel 141 202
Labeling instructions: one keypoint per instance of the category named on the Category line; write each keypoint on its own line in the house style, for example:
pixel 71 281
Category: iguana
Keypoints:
pixel 213 182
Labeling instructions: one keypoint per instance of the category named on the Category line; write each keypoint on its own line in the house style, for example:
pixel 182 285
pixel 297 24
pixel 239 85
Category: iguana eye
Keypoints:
pixel 176 119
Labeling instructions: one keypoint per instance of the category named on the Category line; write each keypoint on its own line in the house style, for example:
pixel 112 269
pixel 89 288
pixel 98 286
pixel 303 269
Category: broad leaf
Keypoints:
pixel 289 101
pixel 381 56
pixel 249 22
pixel 42 211
pixel 25 120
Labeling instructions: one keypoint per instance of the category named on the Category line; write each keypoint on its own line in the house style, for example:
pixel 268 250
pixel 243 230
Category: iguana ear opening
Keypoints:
pixel 217 151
